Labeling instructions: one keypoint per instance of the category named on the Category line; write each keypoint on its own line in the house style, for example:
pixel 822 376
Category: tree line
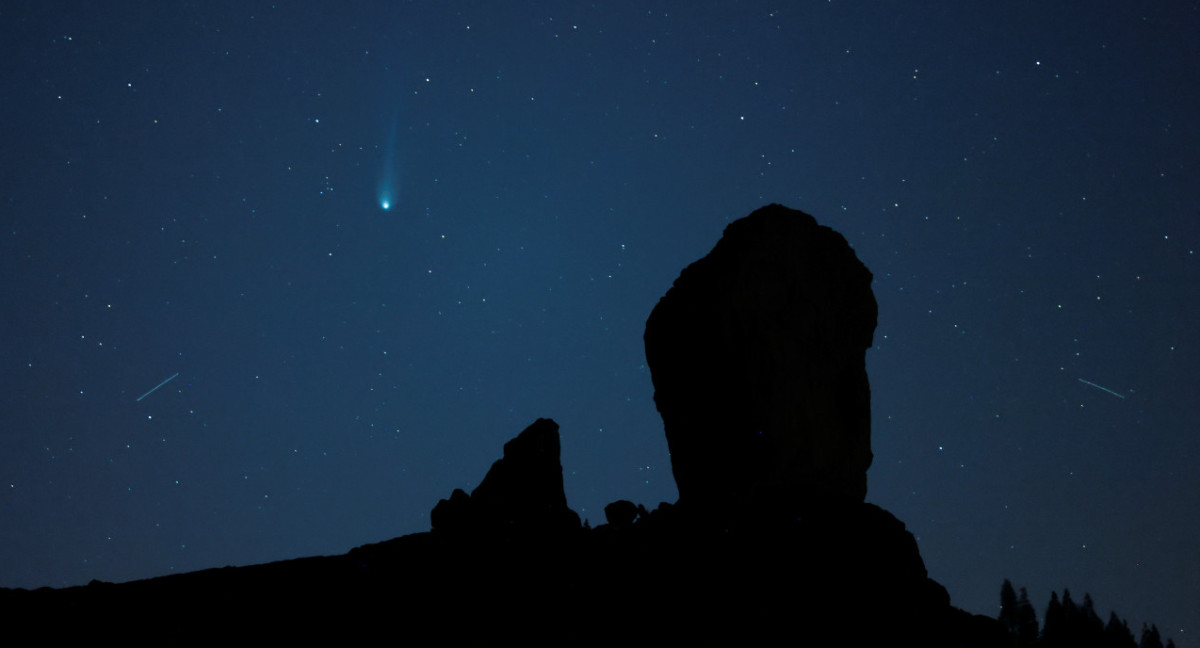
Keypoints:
pixel 1068 624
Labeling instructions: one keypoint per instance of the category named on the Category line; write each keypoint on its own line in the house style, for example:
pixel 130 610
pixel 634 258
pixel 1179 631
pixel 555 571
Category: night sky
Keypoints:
pixel 198 188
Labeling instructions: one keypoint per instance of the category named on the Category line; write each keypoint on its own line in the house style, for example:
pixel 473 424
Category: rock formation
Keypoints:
pixel 522 493
pixel 757 361
pixel 757 358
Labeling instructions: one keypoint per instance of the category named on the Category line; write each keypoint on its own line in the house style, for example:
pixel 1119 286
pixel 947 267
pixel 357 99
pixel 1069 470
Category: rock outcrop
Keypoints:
pixel 521 494
pixel 757 361
pixel 757 358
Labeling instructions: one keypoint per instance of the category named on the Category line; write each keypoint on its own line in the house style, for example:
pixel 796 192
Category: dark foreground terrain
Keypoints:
pixel 757 355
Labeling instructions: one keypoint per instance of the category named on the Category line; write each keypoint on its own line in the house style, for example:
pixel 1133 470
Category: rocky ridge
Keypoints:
pixel 757 357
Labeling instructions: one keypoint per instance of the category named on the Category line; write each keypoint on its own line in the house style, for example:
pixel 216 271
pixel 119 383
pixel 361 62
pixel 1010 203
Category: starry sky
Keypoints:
pixel 197 191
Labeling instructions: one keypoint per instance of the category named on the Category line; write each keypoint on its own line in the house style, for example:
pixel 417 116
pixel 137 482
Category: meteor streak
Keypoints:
pixel 177 373
pixel 1086 382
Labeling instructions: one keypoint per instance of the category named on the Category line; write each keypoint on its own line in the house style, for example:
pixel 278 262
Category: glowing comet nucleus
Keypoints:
pixel 387 172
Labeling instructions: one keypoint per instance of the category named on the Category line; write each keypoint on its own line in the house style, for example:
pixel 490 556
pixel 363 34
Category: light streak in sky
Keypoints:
pixel 169 380
pixel 1086 382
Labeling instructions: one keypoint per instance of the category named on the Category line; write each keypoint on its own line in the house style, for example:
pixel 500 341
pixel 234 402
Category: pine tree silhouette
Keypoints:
pixel 1054 627
pixel 1008 617
pixel 1117 633
pixel 1027 623
pixel 1150 637
pixel 1088 628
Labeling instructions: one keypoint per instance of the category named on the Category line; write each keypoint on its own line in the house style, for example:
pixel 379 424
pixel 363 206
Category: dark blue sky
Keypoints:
pixel 195 189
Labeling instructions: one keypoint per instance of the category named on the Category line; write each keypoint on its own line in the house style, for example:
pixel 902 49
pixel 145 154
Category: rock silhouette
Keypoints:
pixel 523 491
pixel 757 354
pixel 757 360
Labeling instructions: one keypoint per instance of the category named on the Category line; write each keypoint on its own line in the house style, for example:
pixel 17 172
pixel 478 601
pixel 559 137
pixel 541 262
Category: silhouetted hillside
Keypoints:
pixel 757 357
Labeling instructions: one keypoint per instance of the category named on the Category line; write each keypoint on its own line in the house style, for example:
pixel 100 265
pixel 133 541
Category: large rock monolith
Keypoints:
pixel 757 353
